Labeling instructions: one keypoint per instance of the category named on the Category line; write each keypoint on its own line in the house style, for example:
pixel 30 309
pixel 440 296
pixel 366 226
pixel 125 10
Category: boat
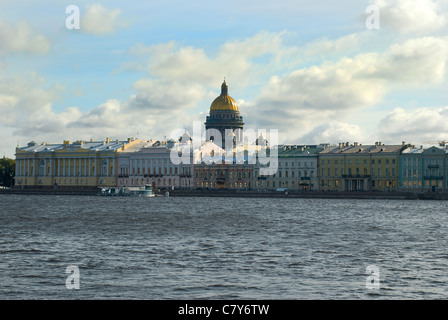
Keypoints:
pixel 144 191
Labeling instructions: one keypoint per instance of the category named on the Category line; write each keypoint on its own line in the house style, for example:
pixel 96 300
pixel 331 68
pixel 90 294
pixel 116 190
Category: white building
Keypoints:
pixel 150 163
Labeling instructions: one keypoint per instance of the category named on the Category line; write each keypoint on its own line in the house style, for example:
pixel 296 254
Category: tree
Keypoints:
pixel 7 172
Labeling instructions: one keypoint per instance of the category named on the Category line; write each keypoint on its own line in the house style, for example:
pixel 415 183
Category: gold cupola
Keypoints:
pixel 224 101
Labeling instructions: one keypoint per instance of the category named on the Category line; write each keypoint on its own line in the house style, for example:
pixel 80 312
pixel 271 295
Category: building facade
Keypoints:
pixel 150 163
pixel 357 167
pixel 424 169
pixel 80 164
pixel 297 169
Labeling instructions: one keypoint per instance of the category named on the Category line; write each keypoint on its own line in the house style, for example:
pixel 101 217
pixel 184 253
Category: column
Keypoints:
pixel 85 166
pixel 90 167
pixel 113 167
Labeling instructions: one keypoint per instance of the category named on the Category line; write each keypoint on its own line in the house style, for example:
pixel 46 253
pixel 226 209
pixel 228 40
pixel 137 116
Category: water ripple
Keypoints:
pixel 222 248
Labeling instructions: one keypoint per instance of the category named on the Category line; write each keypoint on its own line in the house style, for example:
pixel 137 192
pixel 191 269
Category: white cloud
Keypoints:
pixel 418 16
pixel 236 59
pixel 306 102
pixel 334 132
pixel 99 21
pixel 418 61
pixel 416 126
pixel 20 37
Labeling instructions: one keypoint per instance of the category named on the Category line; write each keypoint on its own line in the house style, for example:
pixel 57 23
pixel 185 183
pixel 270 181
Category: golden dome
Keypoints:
pixel 224 101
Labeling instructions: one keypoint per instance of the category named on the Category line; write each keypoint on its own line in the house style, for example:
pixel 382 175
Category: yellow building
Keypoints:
pixel 68 165
pixel 359 167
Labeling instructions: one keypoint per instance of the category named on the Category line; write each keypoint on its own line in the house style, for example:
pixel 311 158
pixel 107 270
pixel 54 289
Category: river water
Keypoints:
pixel 222 248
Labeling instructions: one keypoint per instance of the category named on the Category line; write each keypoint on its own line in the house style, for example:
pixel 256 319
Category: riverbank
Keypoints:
pixel 250 194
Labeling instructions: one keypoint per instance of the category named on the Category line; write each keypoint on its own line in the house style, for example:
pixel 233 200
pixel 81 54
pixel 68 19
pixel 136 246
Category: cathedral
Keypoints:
pixel 224 114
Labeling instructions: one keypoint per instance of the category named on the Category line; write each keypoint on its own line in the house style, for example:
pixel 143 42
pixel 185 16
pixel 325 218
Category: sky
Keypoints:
pixel 319 72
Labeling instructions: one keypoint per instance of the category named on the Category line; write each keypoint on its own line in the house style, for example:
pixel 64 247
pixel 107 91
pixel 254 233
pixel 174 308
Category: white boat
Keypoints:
pixel 145 191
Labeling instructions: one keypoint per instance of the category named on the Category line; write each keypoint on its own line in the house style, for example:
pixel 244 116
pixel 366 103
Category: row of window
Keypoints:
pixel 298 164
pixel 418 184
pixel 418 161
pixel 388 172
pixel 358 161
pixel 418 172
pixel 374 183
pixel 158 182
pixel 286 174
pixel 171 170
pixel 215 174
pixel 282 184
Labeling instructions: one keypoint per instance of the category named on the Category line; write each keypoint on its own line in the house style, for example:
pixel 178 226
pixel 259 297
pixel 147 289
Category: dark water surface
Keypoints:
pixel 221 248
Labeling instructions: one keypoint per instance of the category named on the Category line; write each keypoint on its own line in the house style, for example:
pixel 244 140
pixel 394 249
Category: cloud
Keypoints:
pixel 244 60
pixel 99 21
pixel 417 16
pixel 306 102
pixel 161 96
pixel 418 61
pixel 416 126
pixel 20 37
pixel 334 132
